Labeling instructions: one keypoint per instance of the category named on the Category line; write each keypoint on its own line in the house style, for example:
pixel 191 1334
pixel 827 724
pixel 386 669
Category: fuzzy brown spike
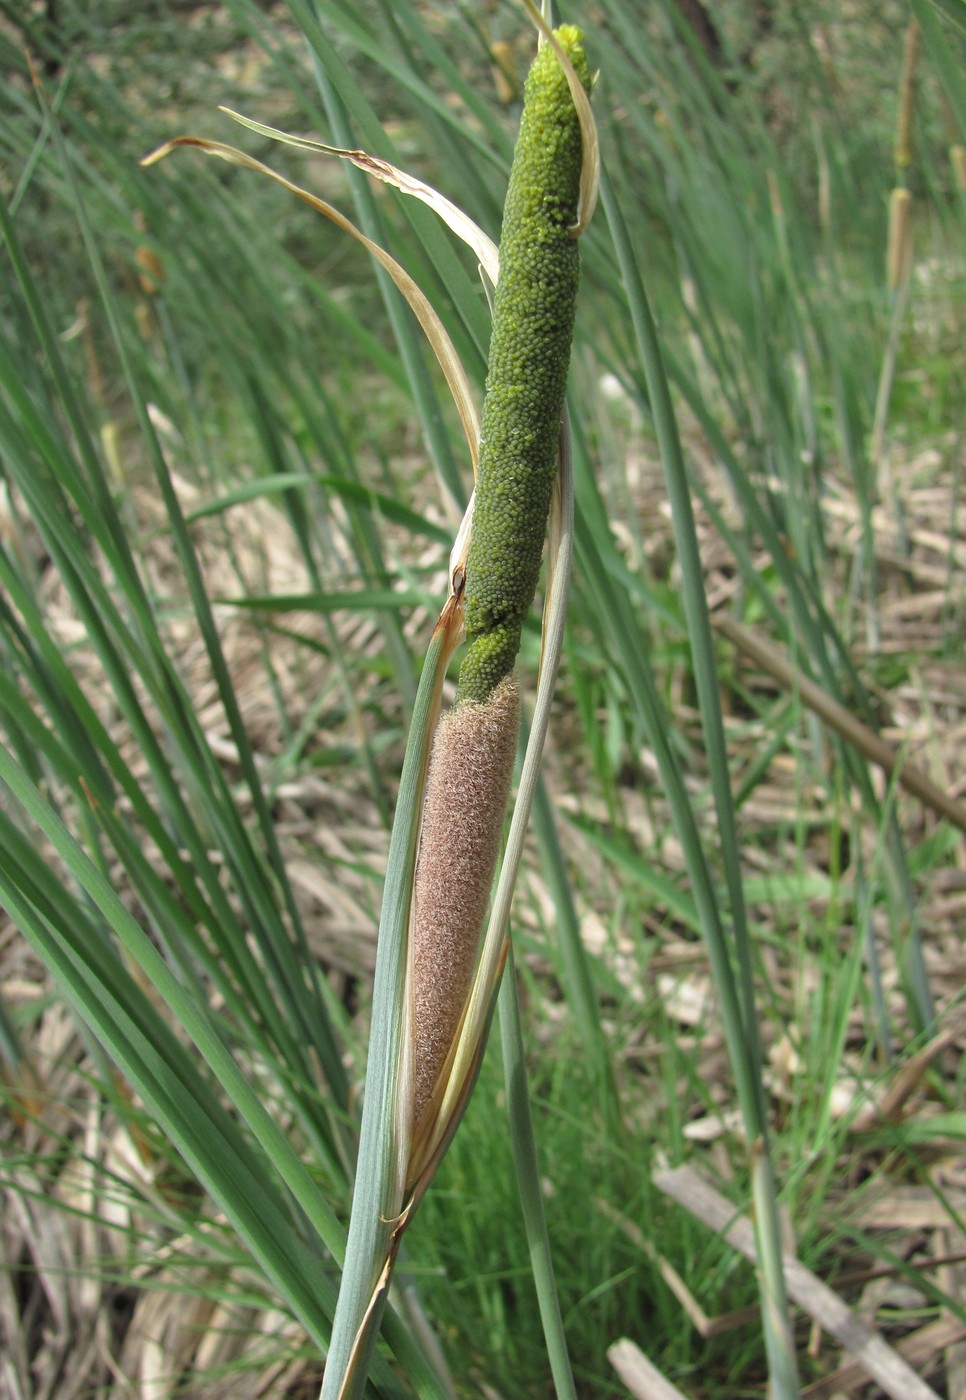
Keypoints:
pixel 899 247
pixel 958 156
pixel 466 795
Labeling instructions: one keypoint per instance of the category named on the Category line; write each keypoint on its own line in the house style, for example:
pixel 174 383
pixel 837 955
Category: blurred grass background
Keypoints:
pixel 224 537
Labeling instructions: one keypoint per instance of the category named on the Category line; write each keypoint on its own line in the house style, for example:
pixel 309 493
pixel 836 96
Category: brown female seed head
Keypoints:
pixel 466 795
pixel 899 246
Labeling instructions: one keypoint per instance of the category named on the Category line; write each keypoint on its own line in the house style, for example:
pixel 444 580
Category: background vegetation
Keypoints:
pixel 227 467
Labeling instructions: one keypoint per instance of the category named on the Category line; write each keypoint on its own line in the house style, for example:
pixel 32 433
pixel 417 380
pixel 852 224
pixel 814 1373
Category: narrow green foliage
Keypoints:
pixel 533 323
pixel 231 484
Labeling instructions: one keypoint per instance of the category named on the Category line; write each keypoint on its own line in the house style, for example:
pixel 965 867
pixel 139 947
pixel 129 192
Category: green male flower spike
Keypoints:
pixel 476 742
pixel 437 973
pixel 533 324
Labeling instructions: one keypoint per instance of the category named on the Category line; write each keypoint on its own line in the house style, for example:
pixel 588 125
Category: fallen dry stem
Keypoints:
pixel 837 717
pixel 877 1358
pixel 918 1348
pixel 639 1374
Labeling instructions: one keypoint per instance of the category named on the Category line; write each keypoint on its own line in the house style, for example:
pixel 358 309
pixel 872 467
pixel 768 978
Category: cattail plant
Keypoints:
pixel 957 156
pixel 898 268
pixel 475 744
pixel 437 970
pixel 174 925
pixel 957 151
pixel 449 979
pixel 437 974
pixel 899 246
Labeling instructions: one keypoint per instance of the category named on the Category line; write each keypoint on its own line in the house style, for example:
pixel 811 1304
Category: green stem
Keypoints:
pixel 528 1182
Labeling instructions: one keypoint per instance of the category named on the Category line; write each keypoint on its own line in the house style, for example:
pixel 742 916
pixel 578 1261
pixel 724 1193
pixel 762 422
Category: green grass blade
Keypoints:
pixel 743 1039
pixel 529 1181
pixel 378 1195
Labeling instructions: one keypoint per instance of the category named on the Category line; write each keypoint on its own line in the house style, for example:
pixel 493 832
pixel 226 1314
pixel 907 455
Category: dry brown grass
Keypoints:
pixel 100 1292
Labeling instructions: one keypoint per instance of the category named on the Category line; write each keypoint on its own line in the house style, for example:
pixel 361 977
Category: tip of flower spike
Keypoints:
pixel 430 322
pixel 568 44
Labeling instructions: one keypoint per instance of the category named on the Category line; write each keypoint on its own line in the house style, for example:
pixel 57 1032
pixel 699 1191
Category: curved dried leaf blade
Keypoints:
pixel 420 305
